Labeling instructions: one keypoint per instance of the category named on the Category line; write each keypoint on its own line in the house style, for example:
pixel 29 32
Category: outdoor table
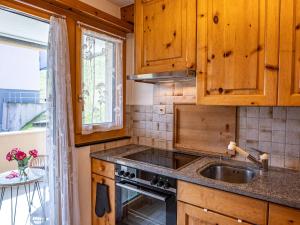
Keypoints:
pixel 33 178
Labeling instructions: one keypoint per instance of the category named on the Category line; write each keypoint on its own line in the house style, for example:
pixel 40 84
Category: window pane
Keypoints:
pixel 100 80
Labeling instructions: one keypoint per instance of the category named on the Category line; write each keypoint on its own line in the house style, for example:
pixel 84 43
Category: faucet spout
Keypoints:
pixel 262 162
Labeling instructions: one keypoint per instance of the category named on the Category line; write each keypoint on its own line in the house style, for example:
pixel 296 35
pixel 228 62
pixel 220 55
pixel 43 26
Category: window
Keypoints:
pixel 23 69
pixel 101 82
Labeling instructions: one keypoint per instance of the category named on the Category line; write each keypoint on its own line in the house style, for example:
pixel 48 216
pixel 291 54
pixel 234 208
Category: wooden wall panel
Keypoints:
pixel 204 128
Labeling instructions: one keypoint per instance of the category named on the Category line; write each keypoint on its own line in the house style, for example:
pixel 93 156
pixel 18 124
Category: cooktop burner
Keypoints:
pixel 164 158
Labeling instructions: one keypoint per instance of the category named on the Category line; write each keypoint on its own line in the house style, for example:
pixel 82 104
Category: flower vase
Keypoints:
pixel 22 166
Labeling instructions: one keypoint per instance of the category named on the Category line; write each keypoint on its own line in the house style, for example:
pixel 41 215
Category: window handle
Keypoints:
pixel 80 100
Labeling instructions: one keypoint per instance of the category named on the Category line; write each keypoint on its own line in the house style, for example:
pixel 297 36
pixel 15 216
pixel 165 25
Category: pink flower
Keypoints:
pixel 14 151
pixel 33 153
pixel 20 155
pixel 9 157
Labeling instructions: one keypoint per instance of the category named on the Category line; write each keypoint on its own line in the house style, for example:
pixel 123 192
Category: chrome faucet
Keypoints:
pixel 262 162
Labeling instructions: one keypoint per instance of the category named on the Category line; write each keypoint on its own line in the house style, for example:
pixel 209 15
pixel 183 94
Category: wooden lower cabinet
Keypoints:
pixel 107 219
pixel 191 215
pixel 280 215
pixel 232 205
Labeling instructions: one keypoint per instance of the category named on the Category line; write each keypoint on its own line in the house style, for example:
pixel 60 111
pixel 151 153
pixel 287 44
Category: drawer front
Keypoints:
pixel 240 207
pixel 188 214
pixel 280 215
pixel 103 168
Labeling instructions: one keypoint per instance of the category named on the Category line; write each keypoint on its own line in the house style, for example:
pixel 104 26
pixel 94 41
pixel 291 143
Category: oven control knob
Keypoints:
pixel 160 183
pixel 126 174
pixel 121 172
pixel 154 181
pixel 167 185
pixel 132 175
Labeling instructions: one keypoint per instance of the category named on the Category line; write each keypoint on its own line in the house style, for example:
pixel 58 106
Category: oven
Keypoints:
pixel 144 198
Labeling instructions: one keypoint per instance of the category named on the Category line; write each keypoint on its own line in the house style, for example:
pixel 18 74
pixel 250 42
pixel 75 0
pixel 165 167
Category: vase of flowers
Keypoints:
pixel 22 159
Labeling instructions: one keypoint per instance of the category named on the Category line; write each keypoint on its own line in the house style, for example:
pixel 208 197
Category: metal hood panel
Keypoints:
pixel 164 77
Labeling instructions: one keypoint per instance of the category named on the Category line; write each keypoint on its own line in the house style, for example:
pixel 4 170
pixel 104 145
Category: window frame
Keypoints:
pixel 97 135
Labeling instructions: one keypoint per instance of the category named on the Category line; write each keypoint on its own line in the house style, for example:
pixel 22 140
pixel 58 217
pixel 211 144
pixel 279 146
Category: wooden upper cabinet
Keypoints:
pixel 165 35
pixel 289 57
pixel 237 52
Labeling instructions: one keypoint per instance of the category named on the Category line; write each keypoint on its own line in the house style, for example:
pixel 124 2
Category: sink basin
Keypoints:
pixel 227 173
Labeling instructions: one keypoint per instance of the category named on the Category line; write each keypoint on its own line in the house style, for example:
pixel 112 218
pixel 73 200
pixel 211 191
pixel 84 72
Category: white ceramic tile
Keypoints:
pixel 292 150
pixel 265 112
pixel 293 125
pixel 253 112
pixel 293 113
pixel 252 134
pixel 278 136
pixel 265 135
pixel 252 123
pixel 278 124
pixel 279 113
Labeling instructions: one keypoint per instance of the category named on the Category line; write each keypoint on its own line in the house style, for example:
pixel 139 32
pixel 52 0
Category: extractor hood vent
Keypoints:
pixel 164 77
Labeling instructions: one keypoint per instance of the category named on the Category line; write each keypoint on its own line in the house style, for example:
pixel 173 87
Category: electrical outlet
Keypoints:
pixel 162 109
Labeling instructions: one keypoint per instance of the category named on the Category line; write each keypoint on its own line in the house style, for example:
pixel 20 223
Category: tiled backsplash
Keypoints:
pixel 275 130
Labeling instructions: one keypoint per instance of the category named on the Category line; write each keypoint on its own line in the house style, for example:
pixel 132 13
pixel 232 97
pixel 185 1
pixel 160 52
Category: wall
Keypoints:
pixel 136 93
pixel 84 176
pixel 275 130
pixel 105 6
pixel 25 140
pixel 21 65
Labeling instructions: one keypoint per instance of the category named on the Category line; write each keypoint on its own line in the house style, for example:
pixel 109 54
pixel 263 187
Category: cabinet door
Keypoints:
pixel 237 47
pixel 280 215
pixel 289 56
pixel 192 215
pixel 107 219
pixel 165 35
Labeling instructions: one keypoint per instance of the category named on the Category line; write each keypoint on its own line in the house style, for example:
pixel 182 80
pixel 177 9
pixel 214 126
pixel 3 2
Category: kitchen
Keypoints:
pixel 183 112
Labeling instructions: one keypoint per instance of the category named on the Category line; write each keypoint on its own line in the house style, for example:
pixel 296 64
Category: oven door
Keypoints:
pixel 144 205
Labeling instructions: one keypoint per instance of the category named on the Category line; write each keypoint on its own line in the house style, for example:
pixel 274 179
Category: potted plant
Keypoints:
pixel 22 159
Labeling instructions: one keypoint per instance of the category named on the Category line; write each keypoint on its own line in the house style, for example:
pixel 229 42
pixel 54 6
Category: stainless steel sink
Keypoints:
pixel 227 173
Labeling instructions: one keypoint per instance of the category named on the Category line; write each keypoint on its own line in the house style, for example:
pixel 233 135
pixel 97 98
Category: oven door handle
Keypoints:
pixel 149 194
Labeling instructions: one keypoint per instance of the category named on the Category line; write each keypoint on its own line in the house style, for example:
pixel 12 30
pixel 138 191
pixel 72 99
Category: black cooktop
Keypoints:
pixel 164 158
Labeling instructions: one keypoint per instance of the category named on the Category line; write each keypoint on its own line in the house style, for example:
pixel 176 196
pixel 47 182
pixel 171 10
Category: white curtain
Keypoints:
pixel 102 81
pixel 63 182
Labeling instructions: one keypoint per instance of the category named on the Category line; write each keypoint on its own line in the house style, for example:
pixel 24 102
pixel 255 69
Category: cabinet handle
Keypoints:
pixel 205 210
pixel 240 221
pixel 101 168
pixel 101 181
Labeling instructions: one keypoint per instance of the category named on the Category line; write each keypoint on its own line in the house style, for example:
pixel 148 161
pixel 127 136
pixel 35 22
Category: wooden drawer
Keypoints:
pixel 280 215
pixel 188 214
pixel 240 207
pixel 103 168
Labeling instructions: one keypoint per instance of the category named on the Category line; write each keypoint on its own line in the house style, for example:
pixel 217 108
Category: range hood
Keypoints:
pixel 164 77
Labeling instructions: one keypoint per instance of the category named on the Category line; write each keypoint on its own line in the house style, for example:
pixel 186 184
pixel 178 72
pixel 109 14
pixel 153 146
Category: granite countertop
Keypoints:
pixel 278 185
